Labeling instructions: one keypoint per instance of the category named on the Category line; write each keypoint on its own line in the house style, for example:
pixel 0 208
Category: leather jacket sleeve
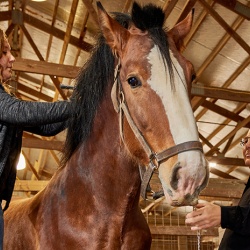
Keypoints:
pixel 47 130
pixel 237 218
pixel 29 114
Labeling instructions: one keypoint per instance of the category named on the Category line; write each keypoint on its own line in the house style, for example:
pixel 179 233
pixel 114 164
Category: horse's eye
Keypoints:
pixel 134 82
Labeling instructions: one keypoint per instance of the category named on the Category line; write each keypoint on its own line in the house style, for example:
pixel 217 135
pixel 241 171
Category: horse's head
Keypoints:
pixel 154 83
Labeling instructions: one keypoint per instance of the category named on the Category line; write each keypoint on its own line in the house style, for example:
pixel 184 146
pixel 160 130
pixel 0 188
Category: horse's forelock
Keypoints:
pixel 151 18
pixel 147 17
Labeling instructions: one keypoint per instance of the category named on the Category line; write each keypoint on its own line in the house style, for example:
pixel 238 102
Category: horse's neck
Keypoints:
pixel 103 159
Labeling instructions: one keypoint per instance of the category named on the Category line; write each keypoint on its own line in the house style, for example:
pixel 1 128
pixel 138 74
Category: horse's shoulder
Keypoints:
pixel 33 208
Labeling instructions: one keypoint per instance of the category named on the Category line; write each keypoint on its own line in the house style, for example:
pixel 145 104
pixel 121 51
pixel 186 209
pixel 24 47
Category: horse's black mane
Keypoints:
pixel 98 72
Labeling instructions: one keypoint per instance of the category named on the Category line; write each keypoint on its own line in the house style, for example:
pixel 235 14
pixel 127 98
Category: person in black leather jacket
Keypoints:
pixel 16 116
pixel 236 219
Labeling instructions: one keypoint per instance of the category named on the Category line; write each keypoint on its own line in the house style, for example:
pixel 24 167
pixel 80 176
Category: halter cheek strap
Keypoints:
pixel 155 159
pixel 115 91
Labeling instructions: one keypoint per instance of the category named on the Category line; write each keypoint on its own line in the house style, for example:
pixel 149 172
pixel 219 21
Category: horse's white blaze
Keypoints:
pixel 175 99
pixel 181 121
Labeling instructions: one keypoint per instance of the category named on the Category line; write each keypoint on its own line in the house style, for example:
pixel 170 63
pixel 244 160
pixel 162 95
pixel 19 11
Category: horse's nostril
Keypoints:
pixel 175 176
pixel 188 197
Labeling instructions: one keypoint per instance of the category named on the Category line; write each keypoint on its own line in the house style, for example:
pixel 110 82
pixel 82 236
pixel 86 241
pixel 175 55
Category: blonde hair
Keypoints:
pixel 3 38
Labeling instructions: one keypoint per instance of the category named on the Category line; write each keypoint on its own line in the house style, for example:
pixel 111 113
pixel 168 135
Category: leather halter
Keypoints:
pixel 155 159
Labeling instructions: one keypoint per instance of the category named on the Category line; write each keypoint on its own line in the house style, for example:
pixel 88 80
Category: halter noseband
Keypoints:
pixel 156 159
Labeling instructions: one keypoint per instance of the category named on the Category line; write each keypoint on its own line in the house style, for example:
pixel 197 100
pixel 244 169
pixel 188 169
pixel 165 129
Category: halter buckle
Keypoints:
pixel 153 161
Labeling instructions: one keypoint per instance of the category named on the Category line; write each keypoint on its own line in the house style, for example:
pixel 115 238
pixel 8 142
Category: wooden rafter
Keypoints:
pixel 238 110
pixel 168 6
pixel 220 93
pixel 92 12
pixel 68 30
pixel 232 133
pixel 42 144
pixel 39 55
pixel 186 9
pixel 224 112
pixel 56 32
pixel 237 23
pixel 196 26
pixel 127 6
pixel 228 29
pixel 237 7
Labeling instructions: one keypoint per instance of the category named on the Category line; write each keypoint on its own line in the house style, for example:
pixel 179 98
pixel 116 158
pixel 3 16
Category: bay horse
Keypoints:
pixel 132 108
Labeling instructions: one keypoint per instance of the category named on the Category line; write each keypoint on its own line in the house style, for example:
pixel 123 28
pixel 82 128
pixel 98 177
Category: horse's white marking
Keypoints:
pixel 175 100
pixel 181 119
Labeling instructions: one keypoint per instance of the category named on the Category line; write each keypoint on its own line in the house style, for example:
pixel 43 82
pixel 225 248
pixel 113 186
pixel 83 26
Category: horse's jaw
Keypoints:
pixel 183 181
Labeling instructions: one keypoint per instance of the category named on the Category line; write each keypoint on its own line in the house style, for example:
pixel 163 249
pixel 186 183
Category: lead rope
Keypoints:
pixel 198 235
pixel 199 239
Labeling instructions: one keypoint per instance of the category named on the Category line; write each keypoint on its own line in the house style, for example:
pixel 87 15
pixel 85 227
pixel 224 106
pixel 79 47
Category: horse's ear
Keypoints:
pixel 181 29
pixel 114 33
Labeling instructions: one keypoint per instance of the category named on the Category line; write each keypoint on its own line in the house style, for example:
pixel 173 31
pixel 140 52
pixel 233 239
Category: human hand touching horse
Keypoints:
pixel 205 216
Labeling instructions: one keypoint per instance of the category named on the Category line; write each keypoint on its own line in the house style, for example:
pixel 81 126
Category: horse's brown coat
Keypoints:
pixel 92 202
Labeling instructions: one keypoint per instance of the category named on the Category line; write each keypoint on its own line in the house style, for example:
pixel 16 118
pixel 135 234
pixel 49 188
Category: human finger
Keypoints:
pixel 193 220
pixel 193 214
pixel 200 205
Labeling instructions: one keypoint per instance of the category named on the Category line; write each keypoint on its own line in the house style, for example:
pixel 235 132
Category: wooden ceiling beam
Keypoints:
pixel 70 23
pixel 24 185
pixel 46 174
pixel 49 45
pixel 5 15
pixel 42 144
pixel 27 79
pixel 229 142
pixel 39 55
pixel 230 188
pixel 235 74
pixel 169 6
pixel 196 101
pixel 227 161
pixel 224 112
pixel 237 23
pixel 56 32
pixel 180 230
pixel 10 29
pixel 220 93
pixel 196 26
pixel 232 133
pixel 22 89
pixel 216 187
pixel 186 10
pixel 214 53
pixel 89 6
pixel 30 166
pixel 45 68
pixel 221 174
pixel 227 28
pixel 237 7
pixel 126 6
pixel 238 110
pixel 204 140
